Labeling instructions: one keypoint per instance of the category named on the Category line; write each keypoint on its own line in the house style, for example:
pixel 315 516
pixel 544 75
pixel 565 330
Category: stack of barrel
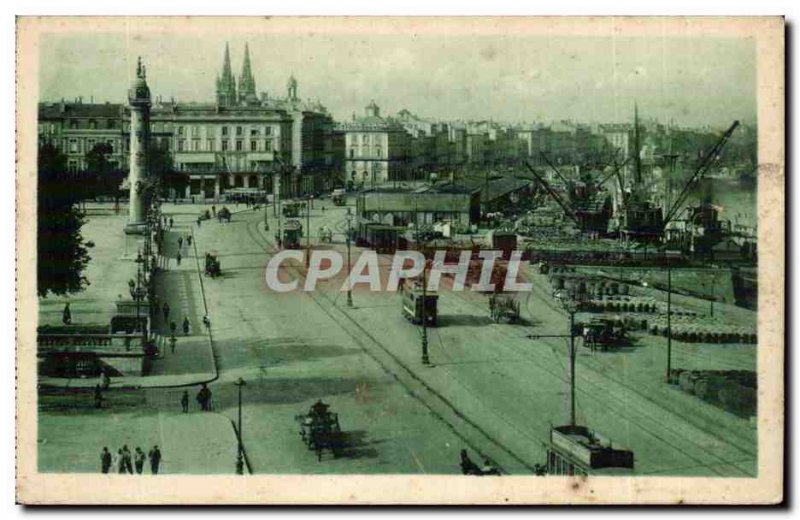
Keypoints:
pixel 733 390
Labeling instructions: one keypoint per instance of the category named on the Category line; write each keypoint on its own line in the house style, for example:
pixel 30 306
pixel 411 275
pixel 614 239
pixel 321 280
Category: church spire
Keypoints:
pixel 226 87
pixel 247 84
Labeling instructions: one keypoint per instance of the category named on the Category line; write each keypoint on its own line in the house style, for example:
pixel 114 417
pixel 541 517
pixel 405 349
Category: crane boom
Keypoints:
pixel 567 209
pixel 705 164
pixel 551 165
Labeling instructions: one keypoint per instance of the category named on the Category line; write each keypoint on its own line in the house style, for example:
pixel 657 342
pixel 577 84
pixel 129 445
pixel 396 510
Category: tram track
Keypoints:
pixel 748 455
pixel 439 405
pixel 337 314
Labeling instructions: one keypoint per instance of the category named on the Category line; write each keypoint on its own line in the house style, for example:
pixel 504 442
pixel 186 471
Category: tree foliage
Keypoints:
pixel 160 166
pixel 62 256
pixel 102 178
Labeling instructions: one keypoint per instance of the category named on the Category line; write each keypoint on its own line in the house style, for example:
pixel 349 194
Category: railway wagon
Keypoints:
pixel 339 197
pixel 381 238
pixel 578 450
pixel 415 304
pixel 292 209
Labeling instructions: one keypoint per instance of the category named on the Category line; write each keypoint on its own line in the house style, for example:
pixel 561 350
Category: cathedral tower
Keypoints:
pixel 226 83
pixel 247 84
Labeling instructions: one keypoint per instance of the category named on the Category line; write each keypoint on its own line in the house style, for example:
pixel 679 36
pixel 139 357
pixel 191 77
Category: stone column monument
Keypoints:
pixel 139 102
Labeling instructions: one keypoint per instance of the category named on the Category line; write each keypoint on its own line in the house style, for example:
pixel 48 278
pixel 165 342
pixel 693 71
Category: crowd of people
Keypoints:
pixel 125 461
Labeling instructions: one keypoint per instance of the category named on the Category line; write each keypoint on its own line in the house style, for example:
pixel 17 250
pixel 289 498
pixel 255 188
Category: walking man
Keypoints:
pixel 66 317
pixel 180 242
pixel 172 327
pixel 189 240
pixel 126 459
pixel 98 396
pixel 105 460
pixel 178 258
pixel 155 459
pixel 185 325
pixel 185 401
pixel 120 462
pixel 172 341
pixel 171 222
pixel 138 460
pixel 165 309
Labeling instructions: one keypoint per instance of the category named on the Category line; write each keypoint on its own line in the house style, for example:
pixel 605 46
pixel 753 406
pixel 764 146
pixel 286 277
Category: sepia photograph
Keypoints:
pixel 400 260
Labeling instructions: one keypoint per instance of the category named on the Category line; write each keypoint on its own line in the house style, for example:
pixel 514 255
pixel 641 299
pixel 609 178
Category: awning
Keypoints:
pixel 196 158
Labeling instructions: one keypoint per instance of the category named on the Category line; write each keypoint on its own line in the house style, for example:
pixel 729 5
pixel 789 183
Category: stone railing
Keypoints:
pixel 91 343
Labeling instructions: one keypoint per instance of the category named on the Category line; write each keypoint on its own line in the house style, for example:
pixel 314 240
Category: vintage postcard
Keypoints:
pixel 400 260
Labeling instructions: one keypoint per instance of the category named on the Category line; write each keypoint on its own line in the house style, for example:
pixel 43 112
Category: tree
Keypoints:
pixel 103 178
pixel 161 167
pixel 62 256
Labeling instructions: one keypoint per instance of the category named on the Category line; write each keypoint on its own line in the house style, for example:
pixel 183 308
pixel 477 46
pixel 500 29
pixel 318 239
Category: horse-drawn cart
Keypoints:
pixel 503 307
pixel 212 267
pixel 320 430
pixel 224 214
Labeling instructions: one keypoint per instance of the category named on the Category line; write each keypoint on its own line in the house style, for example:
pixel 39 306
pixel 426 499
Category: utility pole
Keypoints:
pixel 308 230
pixel 572 366
pixel 425 359
pixel 669 321
pixel 349 219
pixel 240 456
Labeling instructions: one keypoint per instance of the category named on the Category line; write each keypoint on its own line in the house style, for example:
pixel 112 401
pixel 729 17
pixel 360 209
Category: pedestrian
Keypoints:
pixel 214 210
pixel 155 459
pixel 126 459
pixel 172 327
pixel 199 221
pixel 178 258
pixel 186 326
pixel 180 243
pixel 66 317
pixel 204 398
pixel 138 460
pixel 172 341
pixel 165 310
pixel 120 462
pixel 206 322
pixel 98 396
pixel 105 460
pixel 171 222
pixel 185 401
pixel 323 209
pixel 192 199
pixel 189 240
pixel 105 379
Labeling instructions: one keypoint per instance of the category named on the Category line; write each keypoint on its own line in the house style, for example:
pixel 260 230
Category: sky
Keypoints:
pixel 688 80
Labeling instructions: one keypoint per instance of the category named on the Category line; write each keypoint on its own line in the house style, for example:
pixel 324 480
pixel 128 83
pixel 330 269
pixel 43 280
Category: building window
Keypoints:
pixel 268 145
pixel 181 130
pixel 211 131
pixel 90 144
pixel 73 123
pixel 239 145
pixel 210 145
pixel 72 166
pixel 111 146
pixel 253 145
pixel 110 124
pixel 196 145
pixel 181 144
pixel 224 145
pixel 195 131
pixel 352 153
pixel 224 131
pixel 92 124
pixel 378 151
pixel 267 130
pixel 254 132
pixel 364 139
pixel 239 131
pixel 73 146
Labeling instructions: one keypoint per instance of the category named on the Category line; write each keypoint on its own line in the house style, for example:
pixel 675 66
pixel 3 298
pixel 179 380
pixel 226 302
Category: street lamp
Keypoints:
pixel 349 219
pixel 240 455
pixel 308 230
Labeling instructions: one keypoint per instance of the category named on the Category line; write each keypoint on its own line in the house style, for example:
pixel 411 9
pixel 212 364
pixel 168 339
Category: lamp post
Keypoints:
pixel 425 359
pixel 240 453
pixel 349 219
pixel 308 230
